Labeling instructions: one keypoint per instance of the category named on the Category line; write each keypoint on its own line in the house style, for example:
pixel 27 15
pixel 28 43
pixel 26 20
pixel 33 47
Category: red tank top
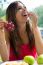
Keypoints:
pixel 24 50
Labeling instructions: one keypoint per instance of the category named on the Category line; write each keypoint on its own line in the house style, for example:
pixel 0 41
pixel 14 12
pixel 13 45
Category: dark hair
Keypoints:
pixel 15 38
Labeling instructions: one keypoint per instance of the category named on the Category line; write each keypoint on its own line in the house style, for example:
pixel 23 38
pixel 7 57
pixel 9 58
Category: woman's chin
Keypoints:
pixel 27 20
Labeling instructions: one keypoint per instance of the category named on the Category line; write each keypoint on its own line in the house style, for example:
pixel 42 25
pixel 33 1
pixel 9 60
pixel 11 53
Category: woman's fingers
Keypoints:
pixel 30 14
pixel 34 18
pixel 2 23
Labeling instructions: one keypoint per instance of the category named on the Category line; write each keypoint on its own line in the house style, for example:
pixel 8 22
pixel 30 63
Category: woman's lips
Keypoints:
pixel 25 15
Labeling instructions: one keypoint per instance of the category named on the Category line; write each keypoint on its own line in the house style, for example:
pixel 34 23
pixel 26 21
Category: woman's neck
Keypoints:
pixel 22 27
pixel 23 33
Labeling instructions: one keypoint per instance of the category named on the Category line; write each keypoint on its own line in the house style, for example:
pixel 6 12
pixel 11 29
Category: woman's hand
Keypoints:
pixel 1 24
pixel 34 19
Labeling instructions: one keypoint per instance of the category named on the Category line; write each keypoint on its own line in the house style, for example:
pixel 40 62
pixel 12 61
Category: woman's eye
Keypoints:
pixel 19 8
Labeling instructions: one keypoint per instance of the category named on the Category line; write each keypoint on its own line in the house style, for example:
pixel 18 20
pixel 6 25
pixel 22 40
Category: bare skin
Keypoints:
pixel 3 46
pixel 37 34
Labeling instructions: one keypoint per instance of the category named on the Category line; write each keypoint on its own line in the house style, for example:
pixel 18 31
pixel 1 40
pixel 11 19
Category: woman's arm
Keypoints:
pixel 38 40
pixel 37 34
pixel 4 44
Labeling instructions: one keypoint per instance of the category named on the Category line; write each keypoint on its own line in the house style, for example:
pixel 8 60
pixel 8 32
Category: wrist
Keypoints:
pixel 35 29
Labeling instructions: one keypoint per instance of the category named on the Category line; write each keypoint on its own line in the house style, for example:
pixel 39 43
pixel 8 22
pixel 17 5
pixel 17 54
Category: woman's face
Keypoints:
pixel 21 14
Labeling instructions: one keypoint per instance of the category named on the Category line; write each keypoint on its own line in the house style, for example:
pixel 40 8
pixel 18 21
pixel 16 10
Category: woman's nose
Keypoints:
pixel 24 9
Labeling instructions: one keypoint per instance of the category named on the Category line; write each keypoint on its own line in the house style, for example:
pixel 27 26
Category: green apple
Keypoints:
pixel 40 59
pixel 29 59
pixel 0 59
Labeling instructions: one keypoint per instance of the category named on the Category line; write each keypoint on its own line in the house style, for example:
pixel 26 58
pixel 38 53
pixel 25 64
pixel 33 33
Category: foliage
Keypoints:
pixel 2 12
pixel 39 12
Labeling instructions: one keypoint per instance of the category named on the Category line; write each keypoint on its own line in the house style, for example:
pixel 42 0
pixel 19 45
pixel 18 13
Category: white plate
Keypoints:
pixel 19 62
pixel 14 63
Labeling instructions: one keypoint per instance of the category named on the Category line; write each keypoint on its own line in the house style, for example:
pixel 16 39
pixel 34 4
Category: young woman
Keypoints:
pixel 18 37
